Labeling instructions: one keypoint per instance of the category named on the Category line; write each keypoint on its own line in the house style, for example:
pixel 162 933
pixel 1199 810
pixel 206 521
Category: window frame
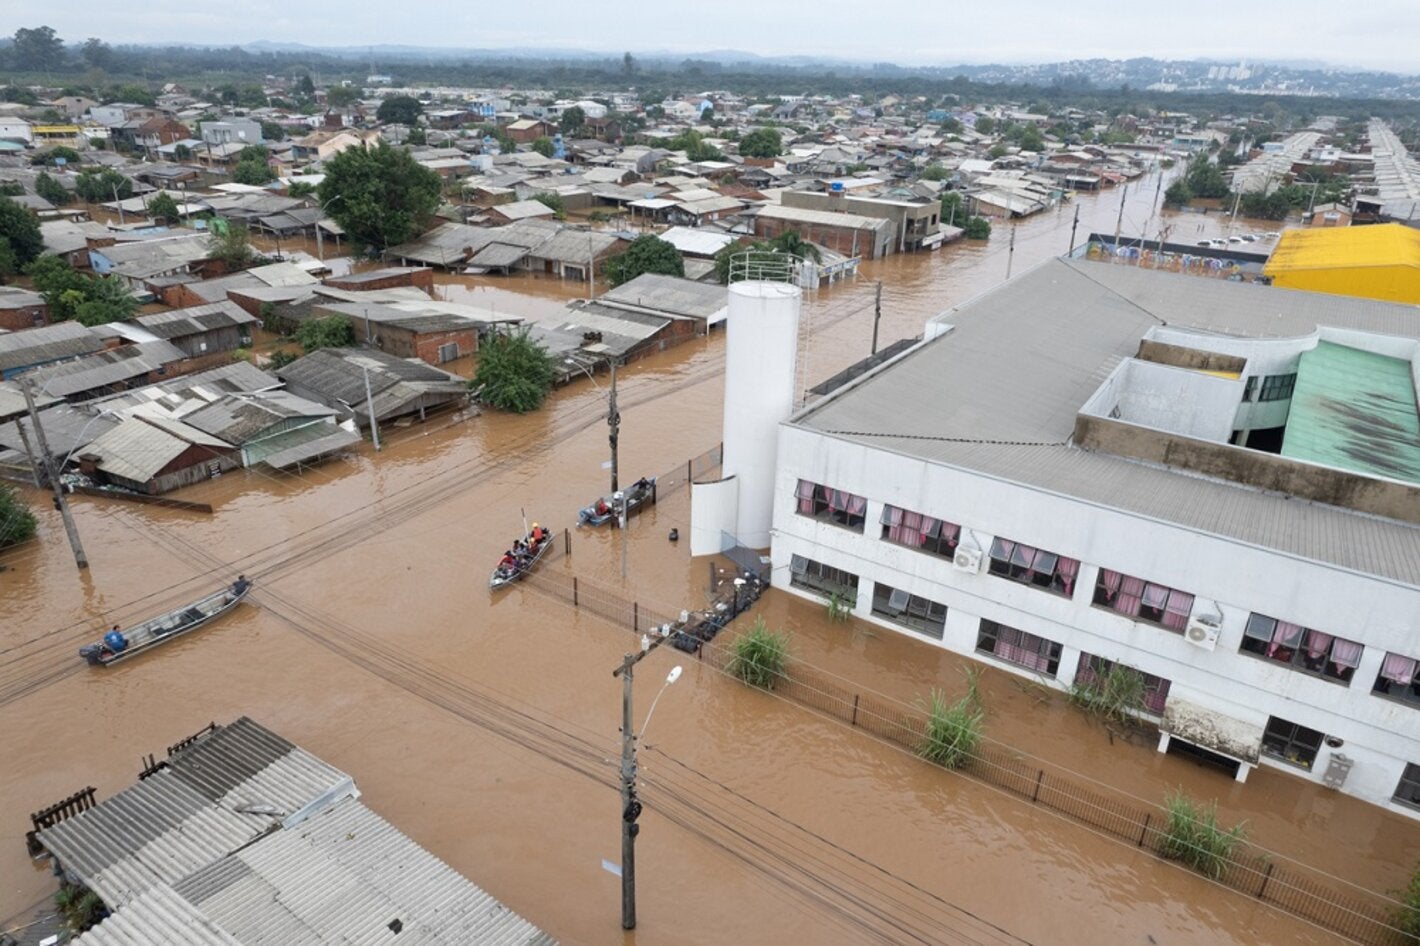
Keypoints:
pixel 1156 688
pixel 941 538
pixel 1020 567
pixel 1386 688
pixel 1292 741
pixel 1103 597
pixel 822 506
pixel 921 623
pixel 813 578
pixel 1297 655
pixel 1277 387
pixel 991 630
pixel 1409 776
pixel 1249 388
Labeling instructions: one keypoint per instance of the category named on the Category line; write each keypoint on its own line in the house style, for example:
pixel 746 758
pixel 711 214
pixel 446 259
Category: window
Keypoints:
pixel 1249 387
pixel 1018 647
pixel 1301 648
pixel 825 579
pixel 919 614
pixel 1032 566
pixel 917 531
pixel 830 505
pixel 1277 387
pixel 1408 791
pixel 1137 598
pixel 1156 689
pixel 1291 743
pixel 1398 679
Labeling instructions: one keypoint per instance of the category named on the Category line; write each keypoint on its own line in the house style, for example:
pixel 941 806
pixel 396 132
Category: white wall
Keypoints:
pixel 1380 735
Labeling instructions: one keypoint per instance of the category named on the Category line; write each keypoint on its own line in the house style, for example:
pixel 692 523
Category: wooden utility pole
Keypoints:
pixel 1074 224
pixel 60 502
pixel 1119 223
pixel 370 404
pixel 877 313
pixel 613 420
pixel 1011 251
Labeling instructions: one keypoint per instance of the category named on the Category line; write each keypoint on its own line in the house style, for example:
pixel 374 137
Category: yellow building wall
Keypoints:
pixel 1397 283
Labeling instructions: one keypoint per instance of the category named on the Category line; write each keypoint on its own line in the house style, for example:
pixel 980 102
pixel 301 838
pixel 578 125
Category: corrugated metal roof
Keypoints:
pixel 103 368
pixel 998 395
pixel 196 320
pixel 670 294
pixel 238 419
pixel 35 346
pixel 138 449
pixel 826 218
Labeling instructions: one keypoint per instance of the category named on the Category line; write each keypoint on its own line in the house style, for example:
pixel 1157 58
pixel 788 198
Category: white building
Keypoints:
pixel 1217 484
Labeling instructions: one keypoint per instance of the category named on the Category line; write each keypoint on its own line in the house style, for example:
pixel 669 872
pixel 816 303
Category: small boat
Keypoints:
pixel 507 574
pixel 121 644
pixel 603 510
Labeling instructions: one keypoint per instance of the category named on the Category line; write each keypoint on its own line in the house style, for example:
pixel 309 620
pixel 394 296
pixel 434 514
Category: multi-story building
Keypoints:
pixel 1216 484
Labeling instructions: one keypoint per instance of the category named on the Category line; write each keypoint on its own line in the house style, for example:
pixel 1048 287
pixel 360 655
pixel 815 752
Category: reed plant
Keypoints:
pixel 953 729
pixel 1192 835
pixel 840 606
pixel 1118 694
pixel 759 655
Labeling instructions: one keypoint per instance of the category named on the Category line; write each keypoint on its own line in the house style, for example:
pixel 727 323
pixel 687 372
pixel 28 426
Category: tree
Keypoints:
pixel 952 126
pixel 182 153
pixel 386 197
pixel 416 136
pixel 20 234
pixel 544 146
pixel 51 190
pixel 17 523
pixel 978 228
pixel 1205 180
pixel 1177 194
pixel 252 172
pixel 514 373
pixel 951 208
pixel 53 155
pixel 333 331
pixel 341 96
pixel 99 186
pixel 97 53
pixel 38 50
pixel 138 94
pixel 399 110
pixel 164 208
pixel 646 254
pixel 553 202
pixel 300 189
pixel 628 64
pixel 273 131
pixel 108 299
pixel 572 121
pixel 61 285
pixel 985 125
pixel 762 143
pixel 934 172
pixel 997 151
pixel 231 243
pixel 304 87
pixel 694 146
pixel 1032 140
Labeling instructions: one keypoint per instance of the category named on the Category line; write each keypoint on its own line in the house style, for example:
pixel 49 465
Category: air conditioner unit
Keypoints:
pixel 967 560
pixel 1201 633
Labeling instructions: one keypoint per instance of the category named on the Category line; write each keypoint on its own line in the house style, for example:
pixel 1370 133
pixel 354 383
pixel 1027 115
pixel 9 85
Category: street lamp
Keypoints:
pixel 320 241
pixel 630 805
pixel 613 416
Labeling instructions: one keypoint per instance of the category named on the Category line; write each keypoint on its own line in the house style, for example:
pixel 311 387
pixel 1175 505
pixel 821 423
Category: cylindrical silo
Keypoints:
pixel 762 329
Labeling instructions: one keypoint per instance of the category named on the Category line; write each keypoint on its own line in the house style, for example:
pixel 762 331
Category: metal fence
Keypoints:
pixel 693 469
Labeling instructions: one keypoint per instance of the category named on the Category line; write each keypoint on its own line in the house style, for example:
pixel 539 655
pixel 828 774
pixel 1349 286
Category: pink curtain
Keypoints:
pixel 1318 644
pixel 1131 591
pixel 837 499
pixel 908 530
pixel 1110 580
pixel 923 529
pixel 1001 550
pixel 1068 569
pixel 1398 669
pixel 1021 648
pixel 805 493
pixel 856 504
pixel 892 516
pixel 1346 653
pixel 950 533
pixel 1286 634
pixel 1176 612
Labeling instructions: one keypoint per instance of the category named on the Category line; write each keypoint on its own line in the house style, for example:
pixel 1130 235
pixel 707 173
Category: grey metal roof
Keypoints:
pixel 36 346
pixel 138 450
pixel 160 255
pixel 337 376
pixel 574 246
pixel 998 396
pixel 239 418
pixel 103 368
pixel 65 428
pixel 13 297
pixel 247 840
pixel 196 320
pixel 672 295
pixel 452 242
pixel 498 255
pixel 310 447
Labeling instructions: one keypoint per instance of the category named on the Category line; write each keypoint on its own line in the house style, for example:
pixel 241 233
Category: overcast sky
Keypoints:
pixel 1373 34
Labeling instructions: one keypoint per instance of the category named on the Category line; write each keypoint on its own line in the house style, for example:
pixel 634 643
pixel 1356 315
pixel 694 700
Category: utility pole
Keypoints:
pixel 370 408
pixel 1011 251
pixel 613 420
pixel 591 266
pixel 60 502
pixel 877 313
pixel 119 203
pixel 1119 223
pixel 29 452
pixel 630 806
pixel 1073 224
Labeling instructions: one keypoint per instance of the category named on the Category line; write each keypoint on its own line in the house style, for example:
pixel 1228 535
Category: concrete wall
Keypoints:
pixel 1228 578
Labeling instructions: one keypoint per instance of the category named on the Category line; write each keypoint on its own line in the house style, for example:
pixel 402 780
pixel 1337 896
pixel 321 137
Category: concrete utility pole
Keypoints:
pixel 630 805
pixel 877 313
pixel 1073 225
pixel 1011 251
pixel 613 420
pixel 370 409
pixel 1119 223
pixel 119 203
pixel 60 502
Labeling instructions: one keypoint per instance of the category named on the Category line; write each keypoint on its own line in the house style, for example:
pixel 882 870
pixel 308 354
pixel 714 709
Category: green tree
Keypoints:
pixel 252 171
pixel 51 190
pixel 1204 179
pixel 934 172
pixel 333 331
pixel 417 136
pixel 553 202
pixel 1032 140
pixel 231 244
pixel 97 53
pixel 572 121
pixel 61 285
pixel 505 142
pixel 952 213
pixel 628 64
pixel 985 125
pixel 20 234
pixel 952 126
pixel 399 110
pixel 646 254
pixel 96 187
pixel 300 189
pixel 11 189
pixel 386 197
pixel 762 143
pixel 137 94
pixel 544 146
pixel 304 87
pixel 694 146
pixel 107 299
pixel 182 153
pixel 164 208
pixel 273 131
pixel 17 523
pixel 52 156
pixel 997 151
pixel 341 96
pixel 514 373
pixel 1177 194
pixel 37 50
pixel 978 228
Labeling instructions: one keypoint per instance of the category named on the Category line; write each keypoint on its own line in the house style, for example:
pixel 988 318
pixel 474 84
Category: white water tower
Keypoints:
pixel 762 329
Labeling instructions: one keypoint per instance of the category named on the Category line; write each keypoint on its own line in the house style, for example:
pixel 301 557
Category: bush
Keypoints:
pixel 333 331
pixel 1192 835
pixel 514 373
pixel 759 656
pixel 646 254
pixel 17 523
pixel 1407 918
pixel 840 607
pixel 80 907
pixel 953 729
pixel 977 228
pixel 1117 694
pixel 280 359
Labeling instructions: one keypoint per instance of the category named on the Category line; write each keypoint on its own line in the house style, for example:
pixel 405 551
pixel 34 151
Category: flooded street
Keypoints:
pixel 486 726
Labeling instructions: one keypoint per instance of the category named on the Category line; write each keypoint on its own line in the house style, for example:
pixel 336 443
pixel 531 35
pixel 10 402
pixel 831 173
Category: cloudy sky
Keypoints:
pixel 1374 34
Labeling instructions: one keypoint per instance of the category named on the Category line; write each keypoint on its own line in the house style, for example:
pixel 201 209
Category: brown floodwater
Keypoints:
pixel 485 726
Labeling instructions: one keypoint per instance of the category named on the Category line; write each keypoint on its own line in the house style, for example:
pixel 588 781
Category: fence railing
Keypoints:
pixel 1294 888
pixel 678 476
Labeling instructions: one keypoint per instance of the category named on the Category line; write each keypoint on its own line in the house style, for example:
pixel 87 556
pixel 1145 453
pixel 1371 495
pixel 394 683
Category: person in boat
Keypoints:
pixel 641 485
pixel 240 586
pixel 508 561
pixel 114 641
pixel 519 546
pixel 538 534
pixel 602 508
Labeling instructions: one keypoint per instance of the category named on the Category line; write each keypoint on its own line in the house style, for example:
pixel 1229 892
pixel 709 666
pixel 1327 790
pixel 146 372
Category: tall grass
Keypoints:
pixel 1407 918
pixel 1117 694
pixel 1192 835
pixel 953 729
pixel 840 606
pixel 759 656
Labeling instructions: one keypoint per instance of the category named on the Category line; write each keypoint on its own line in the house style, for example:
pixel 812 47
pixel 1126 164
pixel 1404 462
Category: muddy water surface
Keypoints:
pixel 485 726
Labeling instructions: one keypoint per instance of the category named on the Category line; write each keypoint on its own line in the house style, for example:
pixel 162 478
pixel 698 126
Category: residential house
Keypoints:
pixel 527 130
pixel 353 379
pixel 853 235
pixel 914 219
pixel 389 277
pixel 139 261
pixel 238 131
pixel 154 456
pixel 573 254
pixel 432 332
pixel 22 309
pixel 158 131
pixel 109 371
pixel 218 328
pixel 62 341
pixel 275 428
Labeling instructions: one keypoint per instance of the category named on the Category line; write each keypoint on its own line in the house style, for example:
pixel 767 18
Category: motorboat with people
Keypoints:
pixel 119 644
